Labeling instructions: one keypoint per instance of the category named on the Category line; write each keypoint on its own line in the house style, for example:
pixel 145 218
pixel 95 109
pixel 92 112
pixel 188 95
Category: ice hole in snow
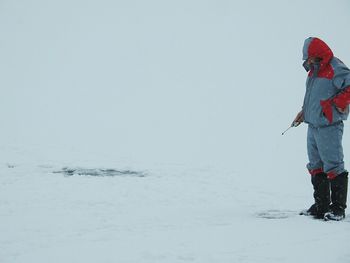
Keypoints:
pixel 99 172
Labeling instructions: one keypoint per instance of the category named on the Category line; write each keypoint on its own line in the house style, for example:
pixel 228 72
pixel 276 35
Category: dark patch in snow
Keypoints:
pixel 11 165
pixel 276 214
pixel 99 172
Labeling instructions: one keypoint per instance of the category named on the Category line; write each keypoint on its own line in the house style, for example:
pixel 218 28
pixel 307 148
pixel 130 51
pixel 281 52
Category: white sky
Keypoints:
pixel 160 80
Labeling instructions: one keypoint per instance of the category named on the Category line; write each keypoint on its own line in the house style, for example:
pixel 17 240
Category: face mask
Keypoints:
pixel 313 66
pixel 306 66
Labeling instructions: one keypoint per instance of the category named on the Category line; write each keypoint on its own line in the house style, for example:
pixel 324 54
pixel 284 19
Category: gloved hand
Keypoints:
pixel 298 119
pixel 327 109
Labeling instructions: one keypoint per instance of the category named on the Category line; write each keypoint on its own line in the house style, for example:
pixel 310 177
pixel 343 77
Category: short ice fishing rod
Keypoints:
pixel 294 124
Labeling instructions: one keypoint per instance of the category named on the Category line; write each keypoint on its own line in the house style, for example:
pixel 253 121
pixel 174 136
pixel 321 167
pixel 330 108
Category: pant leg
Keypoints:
pixel 329 144
pixel 315 164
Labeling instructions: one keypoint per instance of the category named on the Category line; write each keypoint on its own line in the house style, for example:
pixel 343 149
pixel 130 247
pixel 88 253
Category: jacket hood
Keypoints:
pixel 315 47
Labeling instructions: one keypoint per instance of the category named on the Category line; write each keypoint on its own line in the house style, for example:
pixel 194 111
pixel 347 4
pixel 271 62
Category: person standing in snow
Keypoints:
pixel 325 107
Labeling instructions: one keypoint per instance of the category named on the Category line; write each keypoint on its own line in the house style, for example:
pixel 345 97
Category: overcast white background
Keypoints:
pixel 171 80
pixel 141 83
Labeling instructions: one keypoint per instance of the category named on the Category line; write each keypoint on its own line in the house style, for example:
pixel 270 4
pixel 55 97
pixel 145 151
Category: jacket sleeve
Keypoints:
pixel 342 78
pixel 342 82
pixel 342 100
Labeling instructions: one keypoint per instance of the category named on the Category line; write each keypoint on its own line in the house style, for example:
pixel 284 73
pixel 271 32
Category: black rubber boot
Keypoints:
pixel 321 195
pixel 339 190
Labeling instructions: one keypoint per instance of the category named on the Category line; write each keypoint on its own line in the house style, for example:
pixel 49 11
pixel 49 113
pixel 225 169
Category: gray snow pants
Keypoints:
pixel 325 151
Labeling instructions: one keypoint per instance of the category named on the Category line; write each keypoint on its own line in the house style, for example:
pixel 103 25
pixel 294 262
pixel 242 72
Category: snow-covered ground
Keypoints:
pixel 150 131
pixel 172 213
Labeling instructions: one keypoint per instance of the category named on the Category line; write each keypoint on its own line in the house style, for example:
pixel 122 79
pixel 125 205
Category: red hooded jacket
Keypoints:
pixel 328 69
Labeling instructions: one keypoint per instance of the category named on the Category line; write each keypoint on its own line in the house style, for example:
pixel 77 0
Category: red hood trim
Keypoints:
pixel 320 49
